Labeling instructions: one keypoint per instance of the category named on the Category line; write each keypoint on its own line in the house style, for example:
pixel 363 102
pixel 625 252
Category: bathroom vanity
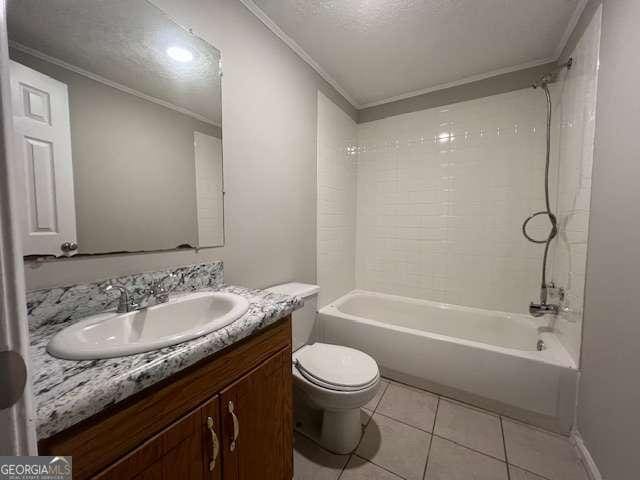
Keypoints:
pixel 217 406
pixel 228 416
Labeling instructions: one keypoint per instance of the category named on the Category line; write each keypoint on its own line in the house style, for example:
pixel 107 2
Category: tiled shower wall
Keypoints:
pixel 441 196
pixel 435 199
pixel 337 140
pixel 575 108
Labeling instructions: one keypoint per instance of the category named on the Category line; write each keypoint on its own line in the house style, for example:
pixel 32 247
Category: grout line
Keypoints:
pixel 475 407
pixel 344 467
pixel 528 471
pixel 380 466
pixel 384 391
pixel 433 428
pixel 503 460
pixel 404 423
pixel 469 448
pixel 504 446
pixel 536 427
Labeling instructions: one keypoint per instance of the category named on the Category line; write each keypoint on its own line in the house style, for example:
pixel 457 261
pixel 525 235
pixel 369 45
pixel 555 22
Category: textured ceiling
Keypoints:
pixel 379 49
pixel 124 41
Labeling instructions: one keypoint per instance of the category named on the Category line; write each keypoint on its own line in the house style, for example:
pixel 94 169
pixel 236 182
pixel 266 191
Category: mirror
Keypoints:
pixel 118 128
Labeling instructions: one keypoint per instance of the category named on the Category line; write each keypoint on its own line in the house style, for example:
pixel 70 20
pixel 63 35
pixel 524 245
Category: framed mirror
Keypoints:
pixel 118 128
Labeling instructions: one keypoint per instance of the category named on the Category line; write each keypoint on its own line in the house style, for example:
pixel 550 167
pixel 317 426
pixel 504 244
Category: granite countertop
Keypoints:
pixel 68 391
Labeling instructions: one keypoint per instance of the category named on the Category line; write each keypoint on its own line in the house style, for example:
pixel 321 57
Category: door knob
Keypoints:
pixel 69 247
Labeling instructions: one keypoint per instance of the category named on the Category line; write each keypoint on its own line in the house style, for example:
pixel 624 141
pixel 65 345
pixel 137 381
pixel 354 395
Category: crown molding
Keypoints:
pixel 457 83
pixel 293 45
pixel 105 81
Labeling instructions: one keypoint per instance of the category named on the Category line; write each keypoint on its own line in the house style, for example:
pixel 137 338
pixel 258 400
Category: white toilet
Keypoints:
pixel 333 379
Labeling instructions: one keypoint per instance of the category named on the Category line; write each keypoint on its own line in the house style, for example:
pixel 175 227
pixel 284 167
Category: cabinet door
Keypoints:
pixel 43 162
pixel 257 424
pixel 185 450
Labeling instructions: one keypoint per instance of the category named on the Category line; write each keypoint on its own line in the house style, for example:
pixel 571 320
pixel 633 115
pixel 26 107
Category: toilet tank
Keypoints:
pixel 303 321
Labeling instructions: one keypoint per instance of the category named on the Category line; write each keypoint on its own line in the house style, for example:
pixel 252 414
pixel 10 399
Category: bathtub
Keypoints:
pixel 483 357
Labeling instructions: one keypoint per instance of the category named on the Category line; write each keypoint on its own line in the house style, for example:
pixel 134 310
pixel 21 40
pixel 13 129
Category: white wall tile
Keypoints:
pixel 441 196
pixel 575 112
pixel 435 199
pixel 337 148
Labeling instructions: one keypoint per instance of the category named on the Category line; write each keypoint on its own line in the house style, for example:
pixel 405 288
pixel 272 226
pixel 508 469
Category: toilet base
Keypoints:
pixel 341 430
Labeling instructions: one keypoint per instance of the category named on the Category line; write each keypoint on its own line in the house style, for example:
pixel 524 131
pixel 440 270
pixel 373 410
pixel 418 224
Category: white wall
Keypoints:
pixel 269 110
pixel 337 140
pixel 575 110
pixel 442 194
pixel 610 387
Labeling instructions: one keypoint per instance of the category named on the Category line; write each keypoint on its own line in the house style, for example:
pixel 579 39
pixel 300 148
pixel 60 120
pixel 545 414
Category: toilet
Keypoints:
pixel 332 379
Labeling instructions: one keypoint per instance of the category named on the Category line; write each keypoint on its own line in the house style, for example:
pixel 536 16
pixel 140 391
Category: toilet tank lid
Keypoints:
pixel 295 289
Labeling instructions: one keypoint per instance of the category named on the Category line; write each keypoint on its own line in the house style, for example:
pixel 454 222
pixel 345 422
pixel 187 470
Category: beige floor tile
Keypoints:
pixel 409 405
pixel 395 446
pixel 516 473
pixel 360 469
pixel 470 427
pixel 449 461
pixel 311 462
pixel 546 454
pixel 373 403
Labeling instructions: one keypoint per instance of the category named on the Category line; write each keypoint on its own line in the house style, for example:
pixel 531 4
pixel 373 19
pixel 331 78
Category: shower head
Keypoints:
pixel 550 77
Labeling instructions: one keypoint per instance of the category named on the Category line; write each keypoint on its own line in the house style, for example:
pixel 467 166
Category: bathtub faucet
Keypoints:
pixel 540 309
pixel 548 292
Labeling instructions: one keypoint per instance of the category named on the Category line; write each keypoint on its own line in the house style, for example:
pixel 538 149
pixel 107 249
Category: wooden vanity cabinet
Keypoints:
pixel 234 409
pixel 183 450
pixel 262 405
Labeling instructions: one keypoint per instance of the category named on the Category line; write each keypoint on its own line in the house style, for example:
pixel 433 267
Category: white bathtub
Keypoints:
pixel 484 357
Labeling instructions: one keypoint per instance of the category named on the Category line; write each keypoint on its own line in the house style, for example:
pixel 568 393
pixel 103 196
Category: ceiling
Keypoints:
pixel 124 42
pixel 374 51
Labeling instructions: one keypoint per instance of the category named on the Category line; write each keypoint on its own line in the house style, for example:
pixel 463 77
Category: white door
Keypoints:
pixel 43 152
pixel 209 194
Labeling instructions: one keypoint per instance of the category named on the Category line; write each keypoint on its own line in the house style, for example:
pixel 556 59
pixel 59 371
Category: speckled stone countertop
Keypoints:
pixel 67 392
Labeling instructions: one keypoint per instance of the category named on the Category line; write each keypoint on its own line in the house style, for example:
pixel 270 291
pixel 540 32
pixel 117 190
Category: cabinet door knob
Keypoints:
pixel 69 247
pixel 236 427
pixel 215 444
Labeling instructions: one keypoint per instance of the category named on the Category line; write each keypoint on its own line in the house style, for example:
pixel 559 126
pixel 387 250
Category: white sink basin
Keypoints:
pixel 183 318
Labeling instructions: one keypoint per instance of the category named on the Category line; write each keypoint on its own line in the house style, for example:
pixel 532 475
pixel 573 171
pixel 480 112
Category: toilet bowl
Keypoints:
pixel 333 379
pixel 337 380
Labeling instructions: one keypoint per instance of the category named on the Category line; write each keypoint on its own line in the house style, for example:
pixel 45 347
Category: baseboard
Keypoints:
pixel 588 461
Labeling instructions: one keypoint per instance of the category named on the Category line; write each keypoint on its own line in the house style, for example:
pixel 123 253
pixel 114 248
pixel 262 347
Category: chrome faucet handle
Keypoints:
pixel 124 303
pixel 539 309
pixel 159 292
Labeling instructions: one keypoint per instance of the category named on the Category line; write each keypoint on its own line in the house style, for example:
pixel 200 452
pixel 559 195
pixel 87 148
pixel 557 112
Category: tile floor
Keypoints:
pixel 411 434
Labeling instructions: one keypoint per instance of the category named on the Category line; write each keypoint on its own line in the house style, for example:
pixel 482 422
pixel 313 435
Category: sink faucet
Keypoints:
pixel 155 294
pixel 125 305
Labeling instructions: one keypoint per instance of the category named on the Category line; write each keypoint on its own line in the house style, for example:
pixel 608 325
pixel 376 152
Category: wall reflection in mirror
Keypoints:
pixel 117 113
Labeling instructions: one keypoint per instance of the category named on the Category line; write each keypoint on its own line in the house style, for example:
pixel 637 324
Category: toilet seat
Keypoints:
pixel 335 367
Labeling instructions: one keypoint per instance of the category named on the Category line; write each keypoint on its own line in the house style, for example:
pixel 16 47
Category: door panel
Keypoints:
pixel 209 194
pixel 262 404
pixel 42 135
pixel 181 451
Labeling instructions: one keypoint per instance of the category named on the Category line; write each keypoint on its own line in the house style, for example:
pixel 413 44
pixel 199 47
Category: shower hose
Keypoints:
pixel 552 218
